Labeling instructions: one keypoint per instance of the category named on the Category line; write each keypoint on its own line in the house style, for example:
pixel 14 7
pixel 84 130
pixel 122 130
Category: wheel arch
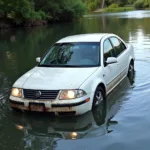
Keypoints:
pixel 94 87
pixel 132 61
pixel 102 87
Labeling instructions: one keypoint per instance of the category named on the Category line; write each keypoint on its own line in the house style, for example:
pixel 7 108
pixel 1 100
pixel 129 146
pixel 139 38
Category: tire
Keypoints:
pixel 99 97
pixel 131 69
pixel 131 72
pixel 99 114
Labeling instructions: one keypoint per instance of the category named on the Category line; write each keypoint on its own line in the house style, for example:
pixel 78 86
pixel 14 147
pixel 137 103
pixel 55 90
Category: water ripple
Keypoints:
pixel 4 94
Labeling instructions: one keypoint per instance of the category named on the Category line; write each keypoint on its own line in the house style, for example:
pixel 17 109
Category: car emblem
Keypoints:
pixel 38 94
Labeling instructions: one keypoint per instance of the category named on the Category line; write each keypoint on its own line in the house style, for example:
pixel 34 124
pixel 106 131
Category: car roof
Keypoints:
pixel 93 37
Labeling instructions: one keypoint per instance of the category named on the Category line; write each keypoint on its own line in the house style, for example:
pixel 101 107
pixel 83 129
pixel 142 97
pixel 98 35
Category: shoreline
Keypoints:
pixel 118 9
pixel 8 24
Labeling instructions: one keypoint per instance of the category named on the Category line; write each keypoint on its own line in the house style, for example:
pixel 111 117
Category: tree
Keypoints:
pixel 32 12
pixel 103 3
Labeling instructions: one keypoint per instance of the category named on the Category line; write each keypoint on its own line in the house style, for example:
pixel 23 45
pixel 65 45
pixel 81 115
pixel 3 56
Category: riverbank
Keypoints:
pixel 6 23
pixel 118 9
pixel 34 13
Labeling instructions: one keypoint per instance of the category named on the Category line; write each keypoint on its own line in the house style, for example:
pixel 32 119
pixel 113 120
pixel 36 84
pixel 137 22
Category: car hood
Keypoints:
pixel 54 78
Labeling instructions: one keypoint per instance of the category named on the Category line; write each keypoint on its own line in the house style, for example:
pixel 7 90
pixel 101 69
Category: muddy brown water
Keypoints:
pixel 122 125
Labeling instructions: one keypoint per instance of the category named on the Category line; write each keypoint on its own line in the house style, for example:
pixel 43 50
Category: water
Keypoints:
pixel 123 124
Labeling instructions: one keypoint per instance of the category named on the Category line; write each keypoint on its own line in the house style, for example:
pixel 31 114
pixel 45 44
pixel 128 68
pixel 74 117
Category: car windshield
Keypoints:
pixel 73 55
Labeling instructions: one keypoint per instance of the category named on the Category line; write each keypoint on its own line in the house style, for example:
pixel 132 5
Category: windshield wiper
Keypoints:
pixel 44 65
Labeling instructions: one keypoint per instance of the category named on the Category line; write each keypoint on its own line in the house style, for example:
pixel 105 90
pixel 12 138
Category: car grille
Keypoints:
pixel 40 94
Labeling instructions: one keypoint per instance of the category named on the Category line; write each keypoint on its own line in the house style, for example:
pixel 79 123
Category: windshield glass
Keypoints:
pixel 73 55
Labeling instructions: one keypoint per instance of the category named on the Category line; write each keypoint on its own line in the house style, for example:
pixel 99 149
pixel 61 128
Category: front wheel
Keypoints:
pixel 131 69
pixel 131 72
pixel 99 97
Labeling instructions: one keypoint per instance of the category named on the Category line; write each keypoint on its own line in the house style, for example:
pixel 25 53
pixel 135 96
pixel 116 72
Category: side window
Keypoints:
pixel 108 50
pixel 118 45
pixel 122 45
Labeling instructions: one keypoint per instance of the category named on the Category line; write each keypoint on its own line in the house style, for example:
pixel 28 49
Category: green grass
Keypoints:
pixel 119 9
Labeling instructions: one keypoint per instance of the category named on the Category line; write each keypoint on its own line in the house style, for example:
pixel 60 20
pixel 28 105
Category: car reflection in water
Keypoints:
pixel 43 131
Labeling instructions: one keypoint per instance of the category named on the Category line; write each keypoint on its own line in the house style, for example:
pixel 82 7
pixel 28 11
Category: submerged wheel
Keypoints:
pixel 99 114
pixel 131 72
pixel 99 97
pixel 131 69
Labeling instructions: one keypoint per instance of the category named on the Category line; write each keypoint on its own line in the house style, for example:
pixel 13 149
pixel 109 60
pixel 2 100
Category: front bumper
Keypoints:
pixel 73 107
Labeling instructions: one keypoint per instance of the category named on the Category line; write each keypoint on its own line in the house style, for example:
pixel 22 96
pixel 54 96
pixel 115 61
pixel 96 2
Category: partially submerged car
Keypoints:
pixel 46 131
pixel 75 75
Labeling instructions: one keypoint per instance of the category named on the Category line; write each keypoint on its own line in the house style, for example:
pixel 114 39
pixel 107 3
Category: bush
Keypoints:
pixel 139 4
pixel 91 6
pixel 70 10
pixel 43 15
pixel 22 11
pixel 78 9
pixel 146 4
pixel 113 6
pixel 119 9
pixel 61 10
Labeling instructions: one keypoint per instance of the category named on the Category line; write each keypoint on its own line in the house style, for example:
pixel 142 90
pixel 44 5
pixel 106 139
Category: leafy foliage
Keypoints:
pixel 118 9
pixel 61 10
pixel 142 4
pixel 139 4
pixel 113 6
pixel 21 11
pixel 92 4
pixel 34 12
pixel 110 4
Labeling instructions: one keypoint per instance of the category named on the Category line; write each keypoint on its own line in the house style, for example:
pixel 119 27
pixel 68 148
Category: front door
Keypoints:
pixel 122 55
pixel 111 72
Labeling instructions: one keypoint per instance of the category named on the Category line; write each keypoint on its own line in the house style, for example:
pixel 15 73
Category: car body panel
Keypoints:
pixel 94 37
pixel 43 78
pixel 111 72
pixel 20 82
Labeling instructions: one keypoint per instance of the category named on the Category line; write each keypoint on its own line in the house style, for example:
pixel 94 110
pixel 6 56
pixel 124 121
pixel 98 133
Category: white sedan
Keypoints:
pixel 75 75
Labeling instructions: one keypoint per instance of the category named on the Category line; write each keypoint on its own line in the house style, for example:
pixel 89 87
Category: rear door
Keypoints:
pixel 111 73
pixel 122 56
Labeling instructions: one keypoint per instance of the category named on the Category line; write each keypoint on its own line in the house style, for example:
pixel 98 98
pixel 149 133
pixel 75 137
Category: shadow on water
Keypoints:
pixel 41 131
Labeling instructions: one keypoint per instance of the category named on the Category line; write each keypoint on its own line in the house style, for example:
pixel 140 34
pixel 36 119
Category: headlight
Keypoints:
pixel 71 94
pixel 19 127
pixel 74 135
pixel 16 92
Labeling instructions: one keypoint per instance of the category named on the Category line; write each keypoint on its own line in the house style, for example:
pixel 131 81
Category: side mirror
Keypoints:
pixel 111 60
pixel 38 59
